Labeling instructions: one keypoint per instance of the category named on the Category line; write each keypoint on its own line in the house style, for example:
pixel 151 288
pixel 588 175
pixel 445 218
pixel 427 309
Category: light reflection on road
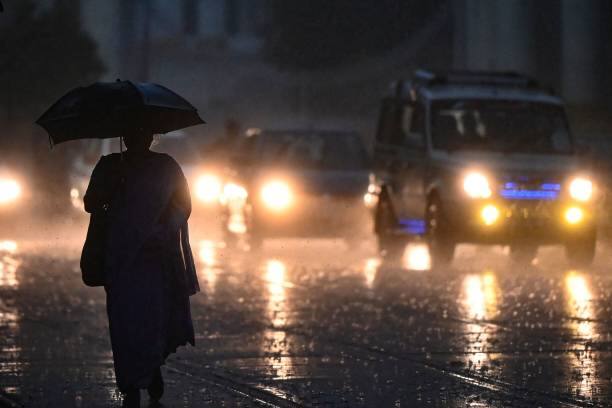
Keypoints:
pixel 275 338
pixel 8 264
pixel 416 257
pixel 208 260
pixel 370 269
pixel 580 308
pixel 8 246
pixel 275 279
pixel 9 318
pixel 480 299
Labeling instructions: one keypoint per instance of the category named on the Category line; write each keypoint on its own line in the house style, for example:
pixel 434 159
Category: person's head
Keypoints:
pixel 138 141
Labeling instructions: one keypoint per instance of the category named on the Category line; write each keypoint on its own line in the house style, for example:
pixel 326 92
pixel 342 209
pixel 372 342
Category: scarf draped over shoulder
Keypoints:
pixel 148 198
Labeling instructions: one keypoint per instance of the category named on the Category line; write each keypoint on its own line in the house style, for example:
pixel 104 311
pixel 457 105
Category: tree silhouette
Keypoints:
pixel 42 54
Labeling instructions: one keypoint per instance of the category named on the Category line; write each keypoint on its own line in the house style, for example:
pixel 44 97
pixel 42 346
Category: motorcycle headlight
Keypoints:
pixel 476 185
pixel 208 188
pixel 581 189
pixel 276 195
pixel 10 190
pixel 234 192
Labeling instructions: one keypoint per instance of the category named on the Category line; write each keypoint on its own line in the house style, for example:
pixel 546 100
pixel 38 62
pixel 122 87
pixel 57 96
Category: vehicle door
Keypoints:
pixel 401 155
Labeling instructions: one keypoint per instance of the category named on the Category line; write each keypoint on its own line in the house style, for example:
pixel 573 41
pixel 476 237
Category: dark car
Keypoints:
pixel 481 158
pixel 298 183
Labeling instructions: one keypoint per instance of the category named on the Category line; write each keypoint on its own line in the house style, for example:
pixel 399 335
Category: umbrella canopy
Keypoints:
pixel 113 109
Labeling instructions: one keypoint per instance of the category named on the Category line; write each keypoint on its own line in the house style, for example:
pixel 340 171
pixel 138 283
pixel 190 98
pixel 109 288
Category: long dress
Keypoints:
pixel 149 267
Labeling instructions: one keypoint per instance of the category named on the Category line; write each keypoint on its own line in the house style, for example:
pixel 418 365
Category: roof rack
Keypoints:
pixel 509 79
pixel 424 78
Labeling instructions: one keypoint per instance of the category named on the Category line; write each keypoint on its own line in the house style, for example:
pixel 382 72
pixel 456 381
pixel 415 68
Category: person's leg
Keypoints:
pixel 156 388
pixel 131 399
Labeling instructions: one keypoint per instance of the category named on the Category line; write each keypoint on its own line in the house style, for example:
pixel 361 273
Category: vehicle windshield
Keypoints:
pixel 506 126
pixel 313 150
pixel 182 149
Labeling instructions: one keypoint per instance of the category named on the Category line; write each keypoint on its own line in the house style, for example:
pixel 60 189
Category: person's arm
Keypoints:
pixel 101 187
pixel 179 208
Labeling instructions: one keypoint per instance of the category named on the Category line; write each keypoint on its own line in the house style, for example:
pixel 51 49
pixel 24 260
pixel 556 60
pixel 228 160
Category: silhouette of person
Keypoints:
pixel 149 268
pixel 222 148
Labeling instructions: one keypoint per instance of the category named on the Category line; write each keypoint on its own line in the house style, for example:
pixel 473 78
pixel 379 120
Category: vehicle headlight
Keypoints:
pixel 208 188
pixel 276 195
pixel 489 214
pixel 476 185
pixel 75 198
pixel 10 190
pixel 233 191
pixel 581 189
pixel 574 215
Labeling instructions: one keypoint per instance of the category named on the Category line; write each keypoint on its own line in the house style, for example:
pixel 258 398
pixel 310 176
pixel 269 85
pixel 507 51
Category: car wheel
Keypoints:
pixel 439 235
pixel 389 244
pixel 523 253
pixel 580 251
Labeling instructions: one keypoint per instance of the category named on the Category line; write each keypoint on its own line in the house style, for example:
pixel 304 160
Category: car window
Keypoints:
pixel 323 150
pixel 507 126
pixel 390 123
pixel 413 126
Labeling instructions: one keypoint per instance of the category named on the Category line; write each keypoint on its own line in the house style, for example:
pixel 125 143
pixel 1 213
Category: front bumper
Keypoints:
pixel 543 222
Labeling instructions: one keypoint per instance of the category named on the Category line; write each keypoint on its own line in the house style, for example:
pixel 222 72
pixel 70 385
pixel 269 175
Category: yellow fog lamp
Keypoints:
pixel 208 188
pixel 276 195
pixel 574 215
pixel 10 191
pixel 489 214
pixel 476 185
pixel 581 189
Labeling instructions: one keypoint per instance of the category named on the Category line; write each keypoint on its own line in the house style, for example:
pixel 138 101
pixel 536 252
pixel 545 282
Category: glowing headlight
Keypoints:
pixel 232 191
pixel 208 188
pixel 476 185
pixel 574 215
pixel 10 190
pixel 75 198
pixel 489 214
pixel 276 195
pixel 581 189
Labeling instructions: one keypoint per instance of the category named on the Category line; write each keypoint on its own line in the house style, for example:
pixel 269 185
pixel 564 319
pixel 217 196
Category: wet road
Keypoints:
pixel 314 324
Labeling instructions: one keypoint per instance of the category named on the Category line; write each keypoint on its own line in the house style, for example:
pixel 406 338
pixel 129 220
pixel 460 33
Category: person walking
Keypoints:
pixel 149 268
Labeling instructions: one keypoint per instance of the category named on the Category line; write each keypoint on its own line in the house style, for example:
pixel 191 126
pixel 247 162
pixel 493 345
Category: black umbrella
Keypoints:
pixel 114 109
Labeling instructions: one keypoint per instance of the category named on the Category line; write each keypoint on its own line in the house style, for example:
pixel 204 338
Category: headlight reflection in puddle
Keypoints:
pixel 9 265
pixel 370 269
pixel 8 246
pixel 480 299
pixel 207 255
pixel 275 278
pixel 580 297
pixel 416 257
pixel 275 339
